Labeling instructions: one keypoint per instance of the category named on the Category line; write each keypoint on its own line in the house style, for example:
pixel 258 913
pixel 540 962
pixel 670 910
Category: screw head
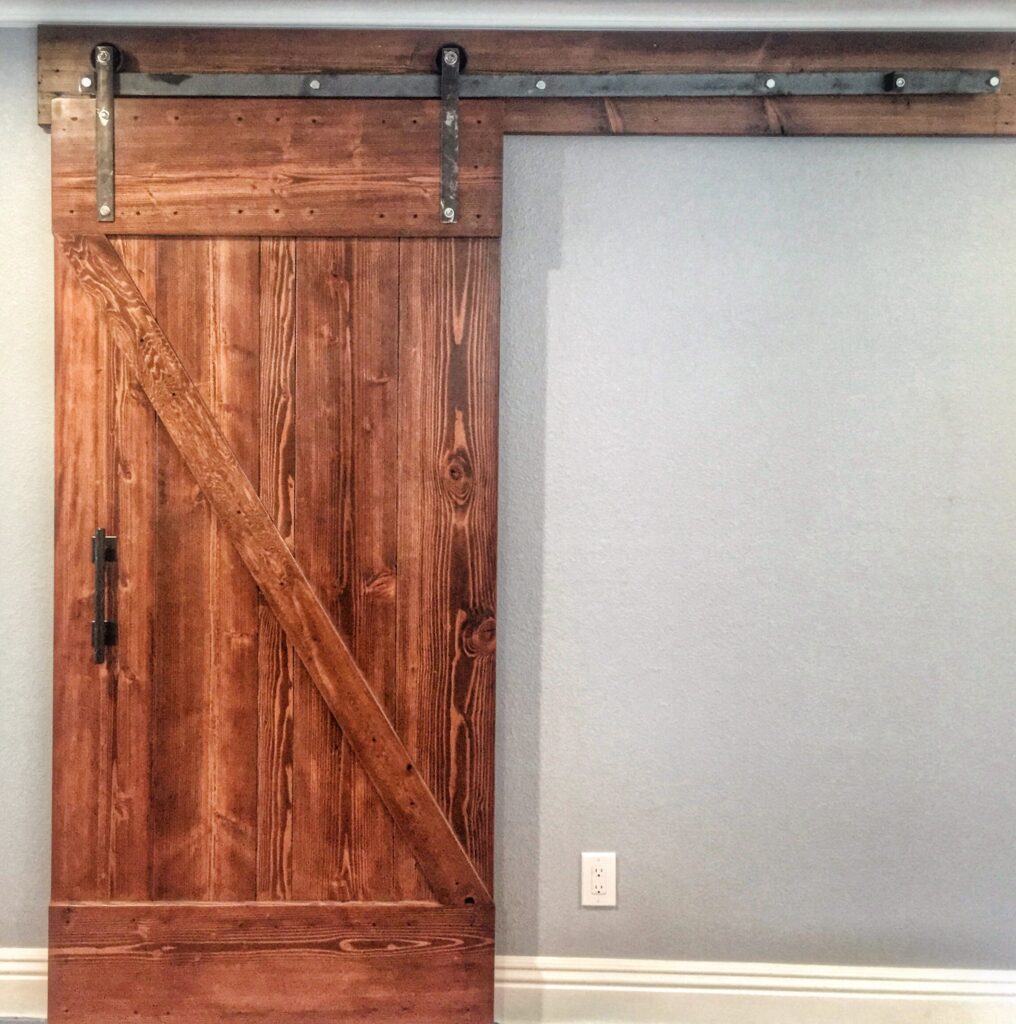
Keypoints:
pixel 900 82
pixel 541 84
pixel 86 82
pixel 105 209
pixel 449 213
pixel 994 81
pixel 103 116
pixel 314 83
pixel 451 57
pixel 102 55
pixel 770 83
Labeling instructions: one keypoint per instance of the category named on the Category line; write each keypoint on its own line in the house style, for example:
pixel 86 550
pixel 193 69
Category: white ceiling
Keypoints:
pixel 912 15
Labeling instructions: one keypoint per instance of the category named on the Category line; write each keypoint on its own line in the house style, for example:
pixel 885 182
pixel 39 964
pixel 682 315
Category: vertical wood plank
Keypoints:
pixel 321 760
pixel 346 534
pixel 205 749
pixel 180 763
pixel 81 755
pixel 277 663
pixel 234 363
pixel 132 478
pixel 448 367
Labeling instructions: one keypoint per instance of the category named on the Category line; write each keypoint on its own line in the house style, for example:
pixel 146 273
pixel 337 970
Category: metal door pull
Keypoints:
pixel 103 630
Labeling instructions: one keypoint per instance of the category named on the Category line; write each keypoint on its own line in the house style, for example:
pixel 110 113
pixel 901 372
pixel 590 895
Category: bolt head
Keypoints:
pixel 994 81
pixel 105 209
pixel 315 84
pixel 770 83
pixel 900 82
pixel 451 57
pixel 86 82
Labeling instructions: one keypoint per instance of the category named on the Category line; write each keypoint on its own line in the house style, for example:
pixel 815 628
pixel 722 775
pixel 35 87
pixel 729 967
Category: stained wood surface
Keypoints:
pixel 276 167
pixel 63 55
pixel 346 500
pixel 447 524
pixel 312 963
pixel 83 706
pixel 133 506
pixel 233 498
pixel 277 658
pixel 205 746
pixel 295 440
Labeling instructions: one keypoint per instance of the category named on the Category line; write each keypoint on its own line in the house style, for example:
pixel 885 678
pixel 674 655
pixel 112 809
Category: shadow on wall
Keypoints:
pixel 522 482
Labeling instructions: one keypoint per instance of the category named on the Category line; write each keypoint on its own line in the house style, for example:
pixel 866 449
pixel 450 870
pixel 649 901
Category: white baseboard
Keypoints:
pixel 571 990
pixel 553 990
pixel 22 982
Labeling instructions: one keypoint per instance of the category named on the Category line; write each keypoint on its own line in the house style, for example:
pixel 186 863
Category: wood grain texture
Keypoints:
pixel 788 115
pixel 233 347
pixel 277 658
pixel 448 376
pixel 63 55
pixel 81 705
pixel 280 167
pixel 205 751
pixel 287 963
pixel 132 476
pixel 235 501
pixel 346 496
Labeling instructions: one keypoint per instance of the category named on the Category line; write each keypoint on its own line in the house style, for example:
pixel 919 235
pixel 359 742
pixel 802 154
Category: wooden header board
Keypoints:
pixel 64 53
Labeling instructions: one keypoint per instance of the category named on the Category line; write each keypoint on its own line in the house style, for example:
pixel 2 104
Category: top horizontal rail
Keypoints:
pixel 953 82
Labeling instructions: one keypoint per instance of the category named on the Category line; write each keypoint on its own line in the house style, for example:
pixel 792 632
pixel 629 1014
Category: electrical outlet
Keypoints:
pixel 599 879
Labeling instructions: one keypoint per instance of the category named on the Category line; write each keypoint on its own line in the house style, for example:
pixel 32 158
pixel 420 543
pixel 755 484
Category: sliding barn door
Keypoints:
pixel 277 397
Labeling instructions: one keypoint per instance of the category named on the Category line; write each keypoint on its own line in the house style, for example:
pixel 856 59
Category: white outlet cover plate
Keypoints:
pixel 599 879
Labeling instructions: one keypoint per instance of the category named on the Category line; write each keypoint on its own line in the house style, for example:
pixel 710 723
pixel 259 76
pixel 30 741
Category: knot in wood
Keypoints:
pixel 457 478
pixel 479 635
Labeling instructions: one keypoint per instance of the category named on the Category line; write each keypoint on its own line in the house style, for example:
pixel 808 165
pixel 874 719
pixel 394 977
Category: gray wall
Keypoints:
pixel 804 15
pixel 757 545
pixel 26 498
pixel 757 626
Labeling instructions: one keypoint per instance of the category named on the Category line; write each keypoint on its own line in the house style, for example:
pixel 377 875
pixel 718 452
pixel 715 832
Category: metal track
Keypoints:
pixel 961 82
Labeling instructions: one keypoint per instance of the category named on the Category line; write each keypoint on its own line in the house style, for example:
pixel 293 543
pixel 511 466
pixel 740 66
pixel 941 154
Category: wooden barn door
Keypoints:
pixel 277 390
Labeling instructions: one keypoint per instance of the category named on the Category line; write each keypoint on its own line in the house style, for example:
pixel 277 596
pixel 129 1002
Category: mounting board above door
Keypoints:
pixel 462 96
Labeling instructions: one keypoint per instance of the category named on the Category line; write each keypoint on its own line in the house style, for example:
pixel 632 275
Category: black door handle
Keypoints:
pixel 103 631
